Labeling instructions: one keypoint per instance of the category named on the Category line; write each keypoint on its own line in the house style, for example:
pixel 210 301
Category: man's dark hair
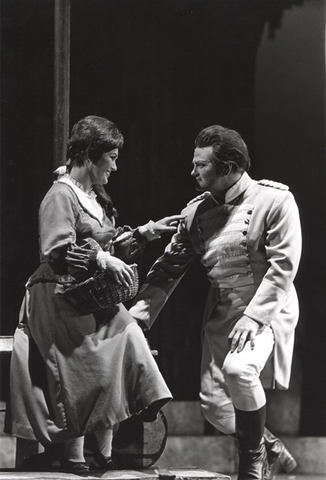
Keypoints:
pixel 229 150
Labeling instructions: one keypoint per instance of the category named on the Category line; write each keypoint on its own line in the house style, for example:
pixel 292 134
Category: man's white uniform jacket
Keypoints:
pixel 251 242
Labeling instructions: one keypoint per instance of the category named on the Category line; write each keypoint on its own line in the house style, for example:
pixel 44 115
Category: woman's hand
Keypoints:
pixel 154 230
pixel 119 270
pixel 167 224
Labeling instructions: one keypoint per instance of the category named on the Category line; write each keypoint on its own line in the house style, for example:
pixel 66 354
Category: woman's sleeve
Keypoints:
pixel 58 217
pixel 128 243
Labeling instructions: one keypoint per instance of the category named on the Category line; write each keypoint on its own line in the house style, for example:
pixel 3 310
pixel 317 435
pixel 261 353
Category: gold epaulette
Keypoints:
pixel 271 183
pixel 198 198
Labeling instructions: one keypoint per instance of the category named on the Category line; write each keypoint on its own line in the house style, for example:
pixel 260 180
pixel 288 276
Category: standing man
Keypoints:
pixel 247 234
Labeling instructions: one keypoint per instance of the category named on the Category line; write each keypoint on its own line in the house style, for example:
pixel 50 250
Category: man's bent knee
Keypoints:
pixel 233 366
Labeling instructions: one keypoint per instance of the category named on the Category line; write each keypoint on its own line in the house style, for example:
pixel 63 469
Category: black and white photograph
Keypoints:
pixel 163 240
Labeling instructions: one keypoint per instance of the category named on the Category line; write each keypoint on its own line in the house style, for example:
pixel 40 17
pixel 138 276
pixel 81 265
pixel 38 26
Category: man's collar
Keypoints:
pixel 239 187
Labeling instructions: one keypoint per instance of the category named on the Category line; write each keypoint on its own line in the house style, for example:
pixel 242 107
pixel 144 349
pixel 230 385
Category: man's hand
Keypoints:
pixel 243 331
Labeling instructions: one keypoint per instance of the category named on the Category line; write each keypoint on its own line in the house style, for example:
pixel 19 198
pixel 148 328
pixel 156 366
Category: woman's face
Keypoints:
pixel 99 172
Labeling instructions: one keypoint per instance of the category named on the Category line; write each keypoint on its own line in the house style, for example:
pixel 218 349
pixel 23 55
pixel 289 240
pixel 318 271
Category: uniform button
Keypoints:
pixel 247 262
pixel 244 232
pixel 248 274
pixel 246 221
pixel 249 212
pixel 200 230
pixel 243 243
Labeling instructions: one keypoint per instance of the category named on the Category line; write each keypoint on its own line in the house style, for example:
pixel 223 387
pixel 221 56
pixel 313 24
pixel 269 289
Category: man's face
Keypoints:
pixel 204 171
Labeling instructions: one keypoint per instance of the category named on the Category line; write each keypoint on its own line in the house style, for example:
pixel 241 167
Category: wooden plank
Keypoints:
pixel 128 475
pixel 6 344
pixel 115 475
pixel 61 79
pixel 189 473
pixel 92 475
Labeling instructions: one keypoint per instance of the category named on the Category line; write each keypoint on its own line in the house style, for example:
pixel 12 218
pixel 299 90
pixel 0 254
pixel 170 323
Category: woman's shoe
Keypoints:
pixel 104 463
pixel 74 467
pixel 109 464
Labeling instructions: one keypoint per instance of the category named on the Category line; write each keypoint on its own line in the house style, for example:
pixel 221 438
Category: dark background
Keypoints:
pixel 162 70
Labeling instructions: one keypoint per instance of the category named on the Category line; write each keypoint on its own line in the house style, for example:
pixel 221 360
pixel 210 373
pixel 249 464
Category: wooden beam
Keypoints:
pixel 61 79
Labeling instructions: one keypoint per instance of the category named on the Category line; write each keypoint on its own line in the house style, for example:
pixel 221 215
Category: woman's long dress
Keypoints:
pixel 73 374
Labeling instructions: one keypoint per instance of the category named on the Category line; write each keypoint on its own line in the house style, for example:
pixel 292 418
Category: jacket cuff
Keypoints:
pixel 148 231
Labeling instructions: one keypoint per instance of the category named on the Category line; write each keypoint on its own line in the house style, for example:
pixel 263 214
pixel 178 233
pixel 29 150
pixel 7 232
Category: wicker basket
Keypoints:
pixel 100 292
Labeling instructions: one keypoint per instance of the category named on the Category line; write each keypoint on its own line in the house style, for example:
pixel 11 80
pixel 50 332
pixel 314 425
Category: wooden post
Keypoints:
pixel 61 79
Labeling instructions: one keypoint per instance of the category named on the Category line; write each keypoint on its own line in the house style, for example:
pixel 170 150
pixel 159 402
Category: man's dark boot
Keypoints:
pixel 252 451
pixel 279 458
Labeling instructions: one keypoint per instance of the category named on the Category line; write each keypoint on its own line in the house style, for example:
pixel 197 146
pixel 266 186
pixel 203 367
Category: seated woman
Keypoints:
pixel 74 374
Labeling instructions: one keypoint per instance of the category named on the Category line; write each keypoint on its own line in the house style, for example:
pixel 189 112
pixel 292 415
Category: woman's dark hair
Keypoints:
pixel 229 150
pixel 90 138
